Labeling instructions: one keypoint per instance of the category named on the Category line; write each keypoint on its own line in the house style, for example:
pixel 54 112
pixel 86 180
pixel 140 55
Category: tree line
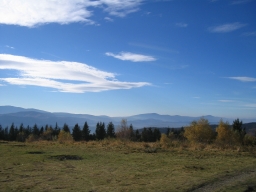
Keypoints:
pixel 78 133
pixel 197 132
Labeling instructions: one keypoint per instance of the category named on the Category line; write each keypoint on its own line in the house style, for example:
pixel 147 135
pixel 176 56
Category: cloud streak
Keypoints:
pixel 31 13
pixel 243 79
pixel 226 101
pixel 182 25
pixel 250 33
pixel 252 105
pixel 10 47
pixel 226 27
pixel 64 76
pixel 127 56
pixel 237 2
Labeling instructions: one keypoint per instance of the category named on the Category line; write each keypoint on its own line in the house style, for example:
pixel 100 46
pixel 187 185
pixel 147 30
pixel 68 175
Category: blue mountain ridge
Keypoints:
pixel 18 115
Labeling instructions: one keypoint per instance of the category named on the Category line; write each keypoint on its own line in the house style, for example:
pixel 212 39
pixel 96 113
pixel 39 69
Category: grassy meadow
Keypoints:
pixel 112 165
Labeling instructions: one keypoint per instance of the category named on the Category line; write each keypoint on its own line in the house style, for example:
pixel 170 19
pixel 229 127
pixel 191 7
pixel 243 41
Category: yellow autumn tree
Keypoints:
pixel 199 131
pixel 224 132
pixel 65 137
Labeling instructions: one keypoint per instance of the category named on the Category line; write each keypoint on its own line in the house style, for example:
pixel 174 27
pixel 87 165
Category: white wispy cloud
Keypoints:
pixel 10 47
pixel 120 8
pixel 226 101
pixel 252 105
pixel 127 56
pixel 183 25
pixel 31 13
pixel 64 76
pixel 237 2
pixel 108 19
pixel 243 79
pixel 250 33
pixel 229 27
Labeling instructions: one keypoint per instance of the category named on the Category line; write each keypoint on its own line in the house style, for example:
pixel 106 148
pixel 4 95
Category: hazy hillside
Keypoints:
pixel 17 115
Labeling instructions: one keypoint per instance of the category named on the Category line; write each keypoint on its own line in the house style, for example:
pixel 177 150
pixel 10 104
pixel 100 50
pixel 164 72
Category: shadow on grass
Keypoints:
pixel 35 152
pixel 66 157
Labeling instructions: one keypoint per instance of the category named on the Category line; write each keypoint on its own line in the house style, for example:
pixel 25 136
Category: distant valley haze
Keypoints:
pixel 18 115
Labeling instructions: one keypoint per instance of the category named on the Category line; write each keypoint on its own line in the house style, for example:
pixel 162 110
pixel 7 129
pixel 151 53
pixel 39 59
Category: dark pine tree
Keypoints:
pixel 28 131
pixel 77 134
pixel 6 133
pixel 12 134
pixel 1 133
pixel 41 130
pixel 56 130
pixel 86 132
pixel 237 126
pixel 168 131
pixel 21 129
pixel 35 130
pixel 66 128
pixel 132 134
pixel 238 129
pixel 111 130
pixel 157 134
pixel 100 131
pixel 137 135
pixel 144 135
pixel 150 134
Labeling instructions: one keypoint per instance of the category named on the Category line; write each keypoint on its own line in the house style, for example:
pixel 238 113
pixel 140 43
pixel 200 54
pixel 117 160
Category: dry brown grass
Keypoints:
pixel 115 165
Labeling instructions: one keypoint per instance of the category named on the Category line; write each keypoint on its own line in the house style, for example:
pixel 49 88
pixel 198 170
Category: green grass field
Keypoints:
pixel 117 166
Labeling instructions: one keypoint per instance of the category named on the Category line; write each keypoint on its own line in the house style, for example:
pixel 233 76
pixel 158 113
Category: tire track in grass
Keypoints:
pixel 226 181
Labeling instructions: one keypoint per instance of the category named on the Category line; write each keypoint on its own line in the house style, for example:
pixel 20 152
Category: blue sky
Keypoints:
pixel 120 58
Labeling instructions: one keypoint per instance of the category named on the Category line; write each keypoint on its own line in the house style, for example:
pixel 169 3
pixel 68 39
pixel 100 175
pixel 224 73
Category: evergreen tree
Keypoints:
pixel 144 135
pixel 100 131
pixel 111 130
pixel 157 134
pixel 46 127
pixel 28 131
pixel 12 134
pixel 150 135
pixel 1 133
pixel 168 131
pixel 92 137
pixel 21 127
pixel 66 128
pixel 86 132
pixel 137 135
pixel 132 134
pixel 6 133
pixel 56 131
pixel 77 134
pixel 239 131
pixel 35 130
pixel 21 136
pixel 237 126
pixel 41 130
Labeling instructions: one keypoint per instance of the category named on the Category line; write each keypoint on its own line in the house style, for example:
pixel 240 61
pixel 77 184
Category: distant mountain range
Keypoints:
pixel 18 115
